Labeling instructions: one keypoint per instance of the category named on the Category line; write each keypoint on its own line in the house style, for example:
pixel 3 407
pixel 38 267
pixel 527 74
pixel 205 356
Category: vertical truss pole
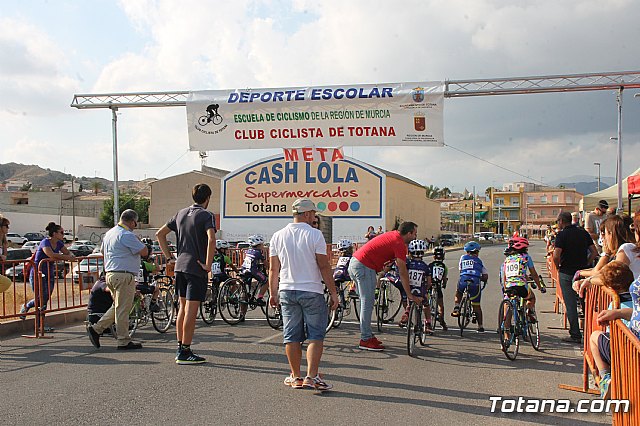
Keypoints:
pixel 619 160
pixel 116 196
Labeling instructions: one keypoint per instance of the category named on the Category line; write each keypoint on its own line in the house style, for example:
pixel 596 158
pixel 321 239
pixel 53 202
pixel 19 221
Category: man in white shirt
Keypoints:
pixel 298 265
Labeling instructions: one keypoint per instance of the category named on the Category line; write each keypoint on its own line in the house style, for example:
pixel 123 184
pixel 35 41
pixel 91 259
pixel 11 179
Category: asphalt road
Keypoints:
pixel 64 380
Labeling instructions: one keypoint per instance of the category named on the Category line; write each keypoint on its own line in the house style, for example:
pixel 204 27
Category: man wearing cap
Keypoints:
pixel 298 265
pixel 367 261
pixel 594 219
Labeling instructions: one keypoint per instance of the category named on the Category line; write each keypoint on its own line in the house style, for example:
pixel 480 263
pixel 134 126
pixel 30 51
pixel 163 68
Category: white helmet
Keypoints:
pixel 222 244
pixel 255 240
pixel 344 244
pixel 417 246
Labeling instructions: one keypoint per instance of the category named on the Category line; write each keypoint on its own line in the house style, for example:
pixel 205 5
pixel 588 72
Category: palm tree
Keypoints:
pixel 445 192
pixel 96 186
pixel 432 191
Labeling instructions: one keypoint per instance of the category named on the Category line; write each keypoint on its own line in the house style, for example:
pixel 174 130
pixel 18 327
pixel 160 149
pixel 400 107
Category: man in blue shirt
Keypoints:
pixel 122 250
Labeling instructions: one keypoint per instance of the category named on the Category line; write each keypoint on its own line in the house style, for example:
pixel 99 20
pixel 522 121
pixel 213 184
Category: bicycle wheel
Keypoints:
pixel 381 307
pixel 433 306
pixel 465 312
pixel 203 120
pixel 414 329
pixel 217 119
pixel 509 339
pixel 274 317
pixel 394 303
pixel 422 324
pixel 209 308
pixel 231 294
pixel 331 315
pixel 356 306
pixel 161 320
pixel 534 333
pixel 134 318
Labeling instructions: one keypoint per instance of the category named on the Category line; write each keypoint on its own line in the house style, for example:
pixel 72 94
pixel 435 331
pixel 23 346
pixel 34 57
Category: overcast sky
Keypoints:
pixel 50 50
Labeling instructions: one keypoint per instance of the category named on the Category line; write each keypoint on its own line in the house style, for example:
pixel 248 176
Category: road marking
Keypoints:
pixel 266 339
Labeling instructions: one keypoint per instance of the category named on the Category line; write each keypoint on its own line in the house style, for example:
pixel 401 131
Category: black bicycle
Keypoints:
pixel 209 307
pixel 388 303
pixel 215 118
pixel 346 298
pixel 467 314
pixel 415 328
pixel 236 296
pixel 514 322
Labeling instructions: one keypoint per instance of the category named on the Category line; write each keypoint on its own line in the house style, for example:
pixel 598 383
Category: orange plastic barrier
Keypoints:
pixel 625 372
pixel 597 299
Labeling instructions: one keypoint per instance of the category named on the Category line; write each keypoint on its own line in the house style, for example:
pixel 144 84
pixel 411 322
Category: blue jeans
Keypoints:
pixel 304 316
pixel 570 303
pixel 365 279
pixel 48 282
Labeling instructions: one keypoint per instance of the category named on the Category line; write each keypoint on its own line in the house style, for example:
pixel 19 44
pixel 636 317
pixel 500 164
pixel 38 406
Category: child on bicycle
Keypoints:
pixel 254 265
pixel 438 276
pixel 143 280
pixel 514 276
pixel 345 252
pixel 220 263
pixel 391 274
pixel 472 272
pixel 418 271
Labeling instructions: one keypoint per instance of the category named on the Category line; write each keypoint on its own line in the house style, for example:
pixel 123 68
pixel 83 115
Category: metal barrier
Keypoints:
pixel 625 372
pixel 597 299
pixel 19 292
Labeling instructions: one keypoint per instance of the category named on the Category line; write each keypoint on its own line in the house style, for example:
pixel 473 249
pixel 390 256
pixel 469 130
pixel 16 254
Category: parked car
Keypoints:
pixel 34 236
pixel 68 237
pixel 62 269
pixel 31 245
pixel 16 238
pixel 18 253
pixel 85 243
pixel 80 249
pixel 89 268
pixel 444 242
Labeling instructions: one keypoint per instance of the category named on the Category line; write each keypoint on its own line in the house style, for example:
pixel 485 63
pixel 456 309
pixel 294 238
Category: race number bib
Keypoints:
pixel 466 264
pixel 416 278
pixel 343 261
pixel 215 268
pixel 247 263
pixel 140 277
pixel 437 273
pixel 512 268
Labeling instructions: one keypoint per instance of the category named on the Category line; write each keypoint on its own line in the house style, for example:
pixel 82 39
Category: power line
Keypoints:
pixel 495 165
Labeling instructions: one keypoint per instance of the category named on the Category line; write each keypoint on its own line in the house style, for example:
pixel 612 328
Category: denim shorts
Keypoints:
pixel 304 316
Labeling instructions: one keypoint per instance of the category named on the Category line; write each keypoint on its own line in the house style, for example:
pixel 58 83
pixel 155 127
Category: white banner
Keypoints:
pixel 396 114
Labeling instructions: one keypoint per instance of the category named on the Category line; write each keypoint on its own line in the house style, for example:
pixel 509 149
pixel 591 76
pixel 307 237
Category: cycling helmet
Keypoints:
pixel 222 244
pixel 472 246
pixel 255 240
pixel 519 243
pixel 438 253
pixel 149 250
pixel 344 244
pixel 417 246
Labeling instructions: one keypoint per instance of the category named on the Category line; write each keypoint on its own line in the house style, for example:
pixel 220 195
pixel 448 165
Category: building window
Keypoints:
pixel 515 201
pixel 569 200
pixel 554 199
pixel 555 212
pixel 499 201
pixel 530 199
pixel 543 199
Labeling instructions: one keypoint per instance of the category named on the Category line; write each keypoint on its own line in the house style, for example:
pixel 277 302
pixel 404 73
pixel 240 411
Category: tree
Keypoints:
pixel 26 187
pixel 432 191
pixel 96 186
pixel 488 191
pixel 127 200
pixel 445 192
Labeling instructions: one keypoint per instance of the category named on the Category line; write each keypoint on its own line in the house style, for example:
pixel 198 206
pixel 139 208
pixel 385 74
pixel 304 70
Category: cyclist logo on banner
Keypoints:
pixel 213 116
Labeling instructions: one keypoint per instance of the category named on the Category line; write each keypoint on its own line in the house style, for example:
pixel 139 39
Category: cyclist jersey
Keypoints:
pixel 341 272
pixel 253 261
pixel 145 270
pixel 392 274
pixel 219 265
pixel 471 267
pixel 418 271
pixel 438 272
pixel 514 270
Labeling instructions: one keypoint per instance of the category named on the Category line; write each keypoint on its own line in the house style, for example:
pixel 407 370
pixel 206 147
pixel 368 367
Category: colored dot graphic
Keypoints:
pixel 343 206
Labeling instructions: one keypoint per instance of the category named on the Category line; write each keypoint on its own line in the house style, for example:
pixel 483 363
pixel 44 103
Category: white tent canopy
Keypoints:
pixel 610 194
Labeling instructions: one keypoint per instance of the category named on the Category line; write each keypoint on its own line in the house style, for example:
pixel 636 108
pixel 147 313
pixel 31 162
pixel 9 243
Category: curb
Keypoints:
pixel 56 319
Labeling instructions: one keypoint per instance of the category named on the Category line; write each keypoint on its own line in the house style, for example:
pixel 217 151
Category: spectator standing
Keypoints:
pixel 370 259
pixel 575 218
pixel 316 222
pixel 122 250
pixel 371 234
pixel 195 230
pixel 574 250
pixel 4 243
pixel 49 248
pixel 593 220
pixel 380 231
pixel 298 264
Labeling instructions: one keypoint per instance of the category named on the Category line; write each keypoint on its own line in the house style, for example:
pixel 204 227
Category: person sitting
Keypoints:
pixel 100 300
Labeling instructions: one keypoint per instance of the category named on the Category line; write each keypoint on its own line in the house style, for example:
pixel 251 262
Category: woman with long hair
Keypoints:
pixel 4 244
pixel 616 235
pixel 49 248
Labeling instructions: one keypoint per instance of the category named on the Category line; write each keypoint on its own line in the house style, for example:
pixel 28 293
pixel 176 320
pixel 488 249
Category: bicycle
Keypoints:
pixel 432 295
pixel 388 303
pixel 140 313
pixel 209 307
pixel 513 322
pixel 467 314
pixel 415 328
pixel 206 119
pixel 235 296
pixel 345 299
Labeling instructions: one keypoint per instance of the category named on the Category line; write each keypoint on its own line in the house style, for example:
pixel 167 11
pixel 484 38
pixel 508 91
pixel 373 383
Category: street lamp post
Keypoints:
pixel 598 164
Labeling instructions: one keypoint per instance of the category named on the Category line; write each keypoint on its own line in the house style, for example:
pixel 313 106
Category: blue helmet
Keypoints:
pixel 471 246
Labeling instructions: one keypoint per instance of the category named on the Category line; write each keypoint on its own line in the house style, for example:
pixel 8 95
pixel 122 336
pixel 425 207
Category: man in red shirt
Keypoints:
pixel 367 261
